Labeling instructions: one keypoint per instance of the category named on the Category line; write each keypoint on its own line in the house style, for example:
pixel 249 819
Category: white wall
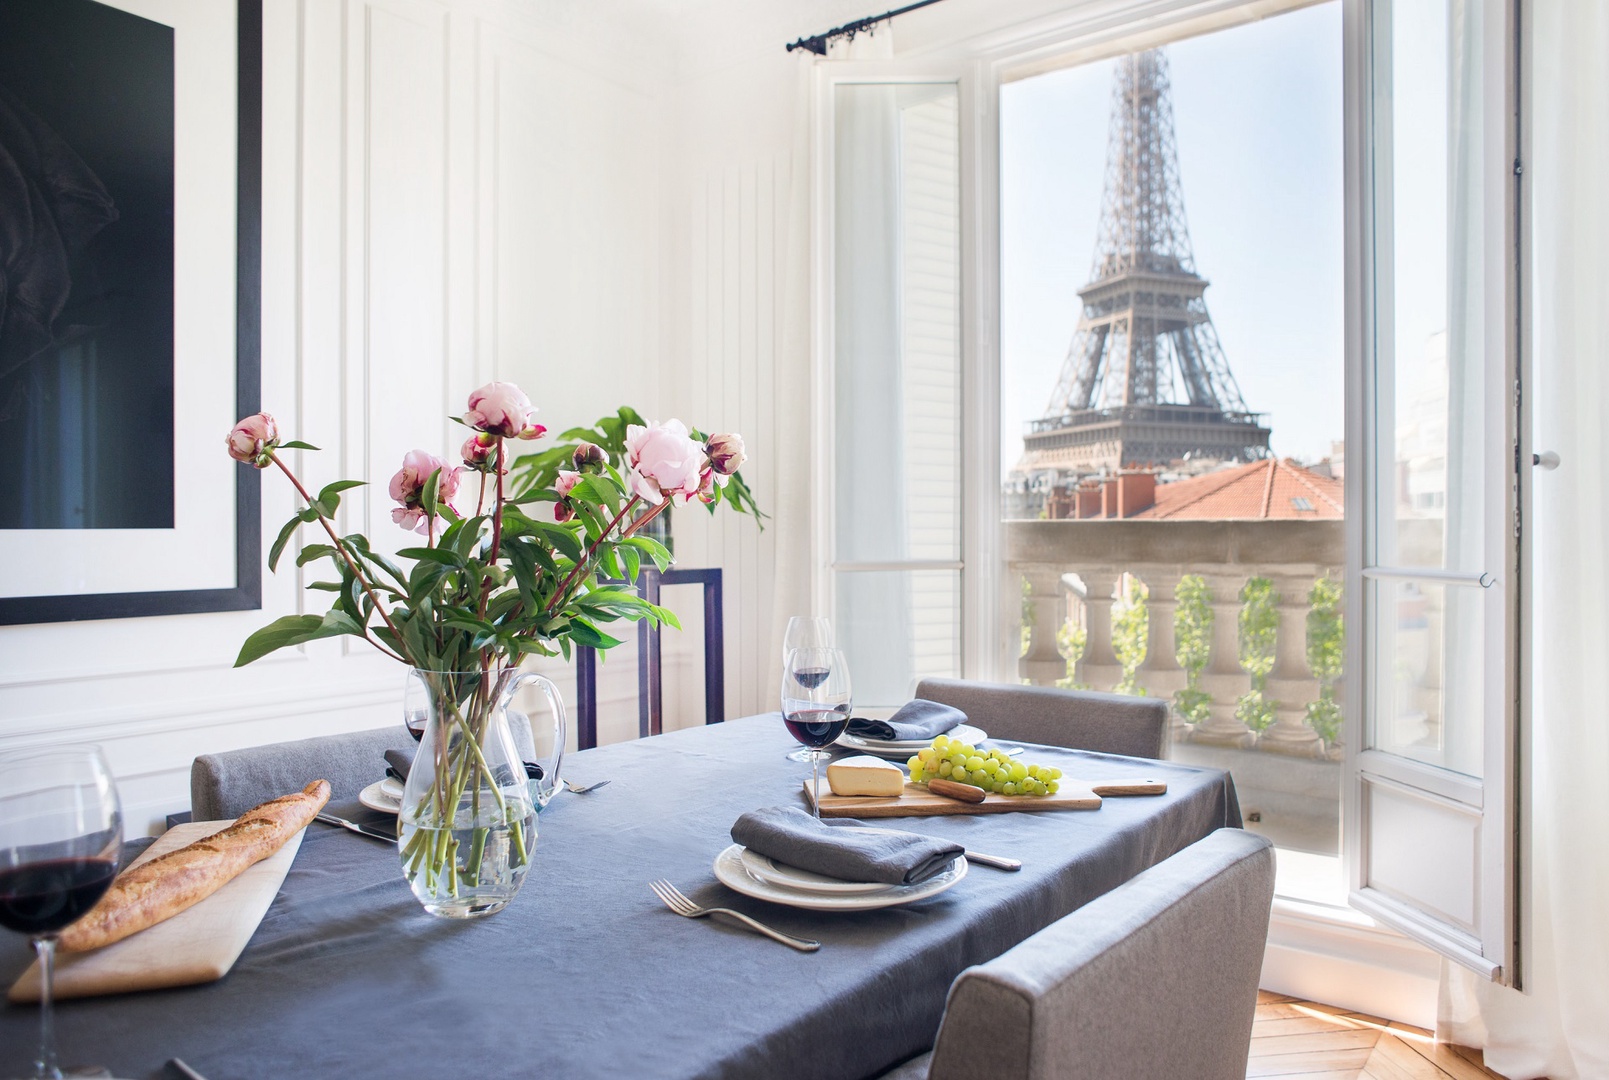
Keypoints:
pixel 452 192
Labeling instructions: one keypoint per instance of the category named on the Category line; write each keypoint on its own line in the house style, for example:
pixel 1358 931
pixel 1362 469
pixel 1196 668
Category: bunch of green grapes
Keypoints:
pixel 991 770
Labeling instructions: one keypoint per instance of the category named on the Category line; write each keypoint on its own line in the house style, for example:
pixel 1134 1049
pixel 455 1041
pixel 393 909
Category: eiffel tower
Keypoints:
pixel 1145 381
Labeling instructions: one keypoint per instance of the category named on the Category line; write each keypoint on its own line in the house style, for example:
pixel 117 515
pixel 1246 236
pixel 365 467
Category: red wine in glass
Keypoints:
pixel 44 897
pixel 810 678
pixel 61 839
pixel 816 727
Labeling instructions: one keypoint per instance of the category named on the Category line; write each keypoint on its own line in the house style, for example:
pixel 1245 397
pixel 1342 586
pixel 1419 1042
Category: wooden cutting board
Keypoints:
pixel 917 801
pixel 198 945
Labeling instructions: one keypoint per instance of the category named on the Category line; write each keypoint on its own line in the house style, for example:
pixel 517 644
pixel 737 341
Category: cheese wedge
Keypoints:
pixel 864 775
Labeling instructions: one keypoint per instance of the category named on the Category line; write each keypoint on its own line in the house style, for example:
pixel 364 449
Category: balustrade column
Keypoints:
pixel 1225 678
pixel 1289 733
pixel 1042 664
pixel 1099 667
pixel 1161 673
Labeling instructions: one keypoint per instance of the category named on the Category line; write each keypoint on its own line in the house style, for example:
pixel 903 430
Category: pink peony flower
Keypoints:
pixel 664 462
pixel 252 439
pixel 503 410
pixel 478 451
pixel 562 511
pixel 726 454
pixel 408 485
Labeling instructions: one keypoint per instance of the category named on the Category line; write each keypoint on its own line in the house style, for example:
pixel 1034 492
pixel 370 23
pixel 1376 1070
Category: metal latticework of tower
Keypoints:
pixel 1145 352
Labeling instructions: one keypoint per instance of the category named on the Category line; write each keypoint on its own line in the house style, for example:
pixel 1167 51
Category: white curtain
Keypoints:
pixel 1560 1027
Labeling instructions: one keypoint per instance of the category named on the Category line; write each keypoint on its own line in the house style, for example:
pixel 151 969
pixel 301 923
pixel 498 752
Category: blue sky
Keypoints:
pixel 1257 115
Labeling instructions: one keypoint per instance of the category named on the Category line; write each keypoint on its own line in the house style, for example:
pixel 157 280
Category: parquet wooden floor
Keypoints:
pixel 1298 1040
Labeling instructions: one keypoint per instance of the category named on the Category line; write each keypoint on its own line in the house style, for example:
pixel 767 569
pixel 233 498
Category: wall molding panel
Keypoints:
pixel 452 190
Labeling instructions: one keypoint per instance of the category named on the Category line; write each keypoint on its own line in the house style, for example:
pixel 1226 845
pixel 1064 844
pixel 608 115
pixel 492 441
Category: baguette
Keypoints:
pixel 161 888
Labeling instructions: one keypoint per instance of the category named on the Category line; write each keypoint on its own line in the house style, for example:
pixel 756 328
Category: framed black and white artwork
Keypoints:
pixel 130 210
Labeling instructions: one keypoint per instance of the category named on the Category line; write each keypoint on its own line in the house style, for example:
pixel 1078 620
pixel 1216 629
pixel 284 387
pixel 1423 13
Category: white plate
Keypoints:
pixel 729 872
pixel 905 748
pixel 772 872
pixel 382 795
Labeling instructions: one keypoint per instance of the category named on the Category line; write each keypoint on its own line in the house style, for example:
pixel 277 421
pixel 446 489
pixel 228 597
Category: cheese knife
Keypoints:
pixel 364 830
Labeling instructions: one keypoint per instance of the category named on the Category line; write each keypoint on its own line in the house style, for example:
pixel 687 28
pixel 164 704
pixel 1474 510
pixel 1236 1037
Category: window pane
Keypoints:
pixel 1429 673
pixel 896 309
pixel 896 627
pixel 1432 344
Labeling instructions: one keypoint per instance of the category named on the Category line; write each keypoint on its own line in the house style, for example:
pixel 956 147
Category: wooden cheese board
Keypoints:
pixel 917 801
pixel 198 945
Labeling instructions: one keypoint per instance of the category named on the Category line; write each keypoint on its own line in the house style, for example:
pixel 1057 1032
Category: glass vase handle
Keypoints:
pixel 543 788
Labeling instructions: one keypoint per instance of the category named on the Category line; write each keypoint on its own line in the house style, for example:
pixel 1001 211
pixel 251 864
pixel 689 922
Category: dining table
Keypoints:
pixel 587 974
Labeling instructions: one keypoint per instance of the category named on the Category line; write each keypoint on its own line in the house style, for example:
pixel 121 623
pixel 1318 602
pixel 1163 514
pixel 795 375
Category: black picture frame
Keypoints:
pixel 246 594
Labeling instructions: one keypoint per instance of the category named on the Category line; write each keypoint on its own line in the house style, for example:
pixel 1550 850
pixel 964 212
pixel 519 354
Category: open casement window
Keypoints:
pixel 892 439
pixel 1432 793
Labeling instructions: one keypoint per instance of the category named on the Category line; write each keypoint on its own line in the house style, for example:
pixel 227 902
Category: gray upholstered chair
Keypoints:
pixel 1079 719
pixel 227 785
pixel 1158 978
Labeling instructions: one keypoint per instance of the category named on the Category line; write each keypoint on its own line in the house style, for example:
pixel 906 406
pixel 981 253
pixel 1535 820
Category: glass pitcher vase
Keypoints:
pixel 468 822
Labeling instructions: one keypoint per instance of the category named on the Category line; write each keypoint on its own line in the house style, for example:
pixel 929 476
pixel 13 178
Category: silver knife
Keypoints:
pixel 372 833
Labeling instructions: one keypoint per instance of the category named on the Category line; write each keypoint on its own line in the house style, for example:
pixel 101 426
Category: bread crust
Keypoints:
pixel 161 888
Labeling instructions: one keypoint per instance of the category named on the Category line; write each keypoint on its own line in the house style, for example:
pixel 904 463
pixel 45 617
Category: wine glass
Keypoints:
pixel 816 701
pixel 61 840
pixel 804 632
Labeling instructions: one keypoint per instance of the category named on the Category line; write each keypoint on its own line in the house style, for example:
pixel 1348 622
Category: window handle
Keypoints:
pixel 1547 459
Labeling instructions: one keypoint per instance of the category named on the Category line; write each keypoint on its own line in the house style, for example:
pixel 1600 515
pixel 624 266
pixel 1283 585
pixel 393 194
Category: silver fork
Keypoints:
pixel 582 789
pixel 673 898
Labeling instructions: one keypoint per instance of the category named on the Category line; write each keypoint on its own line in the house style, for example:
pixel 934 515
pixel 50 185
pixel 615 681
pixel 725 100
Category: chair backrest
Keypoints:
pixel 227 785
pixel 1079 719
pixel 1158 978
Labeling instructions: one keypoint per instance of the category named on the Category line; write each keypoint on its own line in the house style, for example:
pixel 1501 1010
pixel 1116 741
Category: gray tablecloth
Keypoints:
pixel 586 974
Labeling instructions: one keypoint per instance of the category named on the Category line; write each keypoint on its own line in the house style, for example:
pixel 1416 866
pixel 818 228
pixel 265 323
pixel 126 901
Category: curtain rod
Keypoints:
pixel 818 43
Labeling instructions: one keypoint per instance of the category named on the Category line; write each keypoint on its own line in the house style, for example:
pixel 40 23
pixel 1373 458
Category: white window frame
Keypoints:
pixel 1387 965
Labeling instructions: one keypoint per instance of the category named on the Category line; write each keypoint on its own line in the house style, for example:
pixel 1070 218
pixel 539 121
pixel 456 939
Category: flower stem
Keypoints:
pixel 592 549
pixel 351 564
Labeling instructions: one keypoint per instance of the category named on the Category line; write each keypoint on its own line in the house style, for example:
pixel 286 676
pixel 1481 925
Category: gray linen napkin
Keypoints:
pixel 918 719
pixel 398 762
pixel 845 849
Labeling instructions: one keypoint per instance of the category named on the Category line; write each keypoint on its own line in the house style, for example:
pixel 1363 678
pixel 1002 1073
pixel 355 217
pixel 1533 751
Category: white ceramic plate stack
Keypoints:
pixel 761 877
pixel 900 749
pixel 383 795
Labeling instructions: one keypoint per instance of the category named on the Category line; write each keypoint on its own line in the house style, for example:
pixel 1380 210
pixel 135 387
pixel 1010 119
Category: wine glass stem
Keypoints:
pixel 815 782
pixel 46 1066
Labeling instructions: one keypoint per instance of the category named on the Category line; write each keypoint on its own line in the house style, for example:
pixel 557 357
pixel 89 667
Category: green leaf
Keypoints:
pixel 294 630
pixel 584 633
pixel 330 496
pixel 297 444
pixel 444 556
pixel 633 562
pixel 326 586
pixel 278 547
pixel 651 548
pixel 561 538
pixel 427 498
pixel 313 551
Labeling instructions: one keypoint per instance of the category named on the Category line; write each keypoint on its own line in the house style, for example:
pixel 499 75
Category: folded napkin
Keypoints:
pixel 916 719
pixel 398 762
pixel 845 849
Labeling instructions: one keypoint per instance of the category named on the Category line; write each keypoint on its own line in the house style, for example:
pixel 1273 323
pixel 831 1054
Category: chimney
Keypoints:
pixel 1136 491
pixel 1088 501
pixel 1109 503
